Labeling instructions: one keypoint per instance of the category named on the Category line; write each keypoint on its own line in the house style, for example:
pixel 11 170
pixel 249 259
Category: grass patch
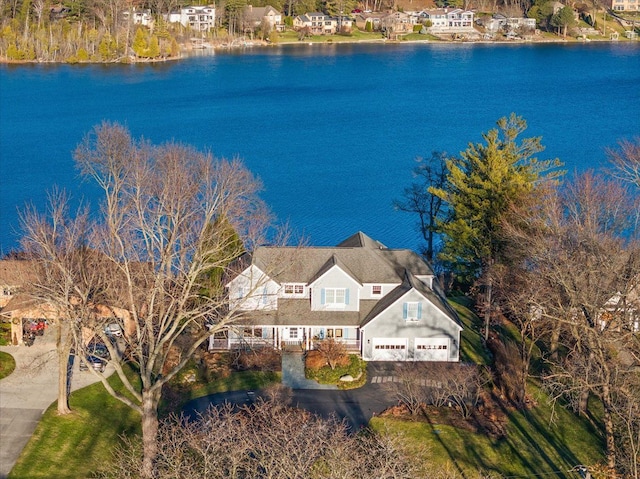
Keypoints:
pixel 357 368
pixel 78 444
pixel 472 349
pixel 533 446
pixel 238 381
pixel 5 334
pixel 291 36
pixel 7 364
pixel 75 446
pixel 419 37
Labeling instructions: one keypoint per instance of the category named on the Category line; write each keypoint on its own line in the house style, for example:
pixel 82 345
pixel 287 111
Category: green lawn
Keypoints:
pixel 533 445
pixel 75 446
pixel 291 36
pixel 7 364
pixel 357 368
pixel 472 349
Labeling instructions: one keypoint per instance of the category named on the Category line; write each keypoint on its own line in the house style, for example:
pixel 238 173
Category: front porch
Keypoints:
pixel 290 338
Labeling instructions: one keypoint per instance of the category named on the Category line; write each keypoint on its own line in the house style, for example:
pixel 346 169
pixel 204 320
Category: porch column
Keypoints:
pixel 308 339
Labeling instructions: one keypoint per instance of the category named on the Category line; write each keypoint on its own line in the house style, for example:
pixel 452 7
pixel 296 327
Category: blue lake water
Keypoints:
pixel 332 130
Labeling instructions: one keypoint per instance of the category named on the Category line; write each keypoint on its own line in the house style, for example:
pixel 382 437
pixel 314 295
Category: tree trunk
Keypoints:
pixel 487 305
pixel 63 347
pixel 583 402
pixel 609 427
pixel 150 400
pixel 555 340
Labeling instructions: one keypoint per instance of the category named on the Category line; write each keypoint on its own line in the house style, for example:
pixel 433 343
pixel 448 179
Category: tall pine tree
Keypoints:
pixel 482 184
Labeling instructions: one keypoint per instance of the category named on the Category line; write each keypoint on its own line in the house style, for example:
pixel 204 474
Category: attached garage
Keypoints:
pixel 389 349
pixel 431 349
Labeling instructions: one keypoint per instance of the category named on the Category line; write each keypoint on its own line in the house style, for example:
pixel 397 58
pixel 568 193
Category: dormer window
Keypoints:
pixel 292 289
pixel 376 290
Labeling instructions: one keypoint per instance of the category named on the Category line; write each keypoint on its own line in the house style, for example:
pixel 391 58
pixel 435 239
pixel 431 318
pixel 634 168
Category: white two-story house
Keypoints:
pixel 445 20
pixel 382 303
pixel 196 17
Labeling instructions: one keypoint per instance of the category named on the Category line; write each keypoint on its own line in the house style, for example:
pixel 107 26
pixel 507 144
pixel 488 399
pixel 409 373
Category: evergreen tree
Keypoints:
pixel 154 47
pixel 482 184
pixel 140 44
pixel 563 19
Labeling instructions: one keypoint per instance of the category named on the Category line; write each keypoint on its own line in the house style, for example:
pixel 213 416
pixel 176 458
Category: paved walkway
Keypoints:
pixel 28 392
pixel 293 373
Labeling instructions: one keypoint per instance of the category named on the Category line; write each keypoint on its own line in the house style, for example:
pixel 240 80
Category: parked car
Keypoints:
pixel 98 349
pixel 97 363
pixel 35 326
pixel 113 330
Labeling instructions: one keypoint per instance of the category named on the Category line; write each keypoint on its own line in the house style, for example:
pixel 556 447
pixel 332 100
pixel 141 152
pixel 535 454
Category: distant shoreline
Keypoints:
pixel 190 51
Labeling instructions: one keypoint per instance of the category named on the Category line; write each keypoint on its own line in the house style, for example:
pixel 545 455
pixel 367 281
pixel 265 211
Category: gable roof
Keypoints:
pixel 333 261
pixel 360 240
pixel 412 283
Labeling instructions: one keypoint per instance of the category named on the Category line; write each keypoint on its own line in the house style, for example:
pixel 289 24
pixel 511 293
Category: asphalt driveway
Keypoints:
pixel 356 406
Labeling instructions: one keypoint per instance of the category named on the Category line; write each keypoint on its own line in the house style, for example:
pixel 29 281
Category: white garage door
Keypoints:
pixel 389 349
pixel 431 349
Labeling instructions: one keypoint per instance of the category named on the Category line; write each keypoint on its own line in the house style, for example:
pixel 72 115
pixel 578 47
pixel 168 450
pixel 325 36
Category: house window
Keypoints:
pixel 240 294
pixel 293 333
pixel 334 296
pixel 330 333
pixel 412 311
pixel 376 290
pixel 293 289
pixel 338 333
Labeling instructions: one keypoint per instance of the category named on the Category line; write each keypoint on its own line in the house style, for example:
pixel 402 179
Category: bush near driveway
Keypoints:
pixel 356 367
pixel 5 333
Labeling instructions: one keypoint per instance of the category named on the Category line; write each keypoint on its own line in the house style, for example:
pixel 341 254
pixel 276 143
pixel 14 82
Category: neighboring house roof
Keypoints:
pixel 24 306
pixel 258 13
pixel 16 272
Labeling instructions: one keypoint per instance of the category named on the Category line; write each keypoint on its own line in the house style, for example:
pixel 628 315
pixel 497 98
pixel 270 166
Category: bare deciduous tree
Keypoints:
pixel 332 351
pixel 417 199
pixel 582 263
pixel 626 161
pixel 439 384
pixel 267 440
pixel 170 216
pixel 68 274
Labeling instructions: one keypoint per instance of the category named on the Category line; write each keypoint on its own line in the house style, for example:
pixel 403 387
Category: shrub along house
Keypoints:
pixel 382 303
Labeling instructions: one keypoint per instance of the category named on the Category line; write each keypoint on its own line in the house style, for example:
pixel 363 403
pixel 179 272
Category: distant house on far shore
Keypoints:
pixel 257 15
pixel 198 18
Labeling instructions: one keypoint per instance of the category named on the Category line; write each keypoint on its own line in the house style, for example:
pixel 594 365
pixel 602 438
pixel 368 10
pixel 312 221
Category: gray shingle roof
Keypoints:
pixel 296 312
pixel 364 259
pixel 367 260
